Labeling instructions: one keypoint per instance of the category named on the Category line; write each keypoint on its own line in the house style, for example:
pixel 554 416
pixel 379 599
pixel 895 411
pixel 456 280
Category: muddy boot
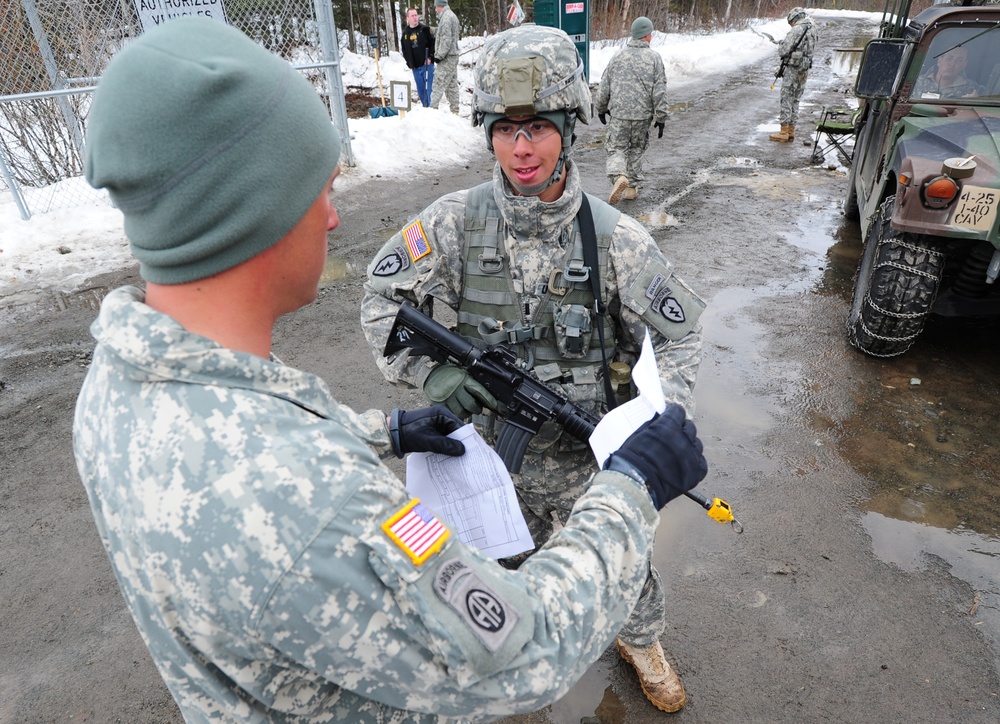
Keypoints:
pixel 621 183
pixel 630 194
pixel 660 683
pixel 786 134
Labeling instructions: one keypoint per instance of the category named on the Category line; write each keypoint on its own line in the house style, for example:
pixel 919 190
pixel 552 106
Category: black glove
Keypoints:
pixel 603 117
pixel 425 430
pixel 667 453
pixel 660 125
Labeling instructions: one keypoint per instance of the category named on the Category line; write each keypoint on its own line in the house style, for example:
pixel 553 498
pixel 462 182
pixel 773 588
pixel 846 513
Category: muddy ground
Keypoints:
pixel 866 587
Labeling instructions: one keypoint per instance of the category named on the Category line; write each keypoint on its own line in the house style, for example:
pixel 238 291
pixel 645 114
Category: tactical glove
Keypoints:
pixel 660 125
pixel 666 452
pixel 424 430
pixel 603 117
pixel 452 387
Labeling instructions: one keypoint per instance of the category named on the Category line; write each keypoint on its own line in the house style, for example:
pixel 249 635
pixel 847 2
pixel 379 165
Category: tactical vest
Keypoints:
pixel 491 311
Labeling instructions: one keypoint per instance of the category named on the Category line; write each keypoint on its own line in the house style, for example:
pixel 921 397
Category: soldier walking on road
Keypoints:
pixel 510 258
pixel 796 53
pixel 633 92
pixel 276 568
pixel 446 57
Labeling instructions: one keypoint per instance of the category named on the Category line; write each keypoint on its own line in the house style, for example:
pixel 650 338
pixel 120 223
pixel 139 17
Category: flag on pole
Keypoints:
pixel 515 15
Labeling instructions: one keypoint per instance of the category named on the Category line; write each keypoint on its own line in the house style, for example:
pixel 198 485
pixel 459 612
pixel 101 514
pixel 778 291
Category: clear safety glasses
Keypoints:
pixel 533 130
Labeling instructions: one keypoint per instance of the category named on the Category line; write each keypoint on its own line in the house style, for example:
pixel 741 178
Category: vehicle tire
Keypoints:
pixel 896 284
pixel 852 211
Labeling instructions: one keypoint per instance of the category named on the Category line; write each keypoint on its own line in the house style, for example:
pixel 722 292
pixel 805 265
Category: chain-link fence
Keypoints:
pixel 53 51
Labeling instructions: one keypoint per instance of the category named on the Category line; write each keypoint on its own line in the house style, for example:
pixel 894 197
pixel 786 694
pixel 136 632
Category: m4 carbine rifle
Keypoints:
pixel 525 401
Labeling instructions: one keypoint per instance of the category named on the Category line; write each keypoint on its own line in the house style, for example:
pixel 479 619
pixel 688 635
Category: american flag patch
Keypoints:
pixel 416 240
pixel 417 531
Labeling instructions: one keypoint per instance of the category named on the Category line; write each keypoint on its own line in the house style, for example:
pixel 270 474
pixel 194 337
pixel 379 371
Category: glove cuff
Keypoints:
pixel 395 436
pixel 617 464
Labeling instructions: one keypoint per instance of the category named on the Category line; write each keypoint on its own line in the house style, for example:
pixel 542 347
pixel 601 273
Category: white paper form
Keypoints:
pixel 473 493
pixel 615 427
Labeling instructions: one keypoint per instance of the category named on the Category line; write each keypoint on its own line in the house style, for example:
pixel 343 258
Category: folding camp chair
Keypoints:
pixel 835 128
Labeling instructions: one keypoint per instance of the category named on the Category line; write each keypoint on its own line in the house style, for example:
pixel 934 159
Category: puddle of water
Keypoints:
pixel 656 219
pixel 721 393
pixel 842 261
pixel 922 431
pixel 971 557
pixel 335 269
pixel 846 61
pixel 591 696
pixel 738 162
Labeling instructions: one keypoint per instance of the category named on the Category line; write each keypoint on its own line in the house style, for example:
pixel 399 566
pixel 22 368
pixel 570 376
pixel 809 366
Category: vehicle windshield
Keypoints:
pixel 962 64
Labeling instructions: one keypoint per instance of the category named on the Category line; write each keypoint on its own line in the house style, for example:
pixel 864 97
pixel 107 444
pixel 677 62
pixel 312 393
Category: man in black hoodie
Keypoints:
pixel 418 51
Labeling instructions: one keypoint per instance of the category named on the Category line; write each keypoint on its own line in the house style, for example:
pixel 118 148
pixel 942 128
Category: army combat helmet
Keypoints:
pixel 795 14
pixel 531 70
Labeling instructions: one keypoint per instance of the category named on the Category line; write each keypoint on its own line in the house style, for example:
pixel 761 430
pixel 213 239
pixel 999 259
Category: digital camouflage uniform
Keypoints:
pixel 446 59
pixel 927 86
pixel 633 91
pixel 242 507
pixel 640 289
pixel 793 81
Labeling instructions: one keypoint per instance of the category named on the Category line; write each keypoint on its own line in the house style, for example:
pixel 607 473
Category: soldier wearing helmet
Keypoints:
pixel 508 257
pixel 277 569
pixel 796 53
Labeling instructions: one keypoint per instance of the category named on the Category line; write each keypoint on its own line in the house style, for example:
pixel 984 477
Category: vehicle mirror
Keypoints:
pixel 880 66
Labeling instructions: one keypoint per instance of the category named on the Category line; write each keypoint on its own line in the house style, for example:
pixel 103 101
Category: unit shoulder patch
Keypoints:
pixel 665 302
pixel 391 263
pixel 490 617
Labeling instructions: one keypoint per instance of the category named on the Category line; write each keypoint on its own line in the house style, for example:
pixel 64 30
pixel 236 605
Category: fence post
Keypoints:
pixel 15 190
pixel 331 54
pixel 72 124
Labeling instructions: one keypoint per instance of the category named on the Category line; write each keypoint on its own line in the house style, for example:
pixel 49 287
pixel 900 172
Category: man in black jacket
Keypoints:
pixel 418 51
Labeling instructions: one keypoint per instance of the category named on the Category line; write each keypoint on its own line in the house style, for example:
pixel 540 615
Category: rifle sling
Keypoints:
pixel 784 61
pixel 589 237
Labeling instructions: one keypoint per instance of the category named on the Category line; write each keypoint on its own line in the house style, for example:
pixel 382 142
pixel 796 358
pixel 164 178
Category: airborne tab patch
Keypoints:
pixel 416 530
pixel 416 240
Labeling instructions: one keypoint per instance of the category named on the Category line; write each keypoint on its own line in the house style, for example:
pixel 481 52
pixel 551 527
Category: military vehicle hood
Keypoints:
pixel 931 134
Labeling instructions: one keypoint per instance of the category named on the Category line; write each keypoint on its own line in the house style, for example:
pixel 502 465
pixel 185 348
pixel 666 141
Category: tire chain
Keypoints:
pixel 896 243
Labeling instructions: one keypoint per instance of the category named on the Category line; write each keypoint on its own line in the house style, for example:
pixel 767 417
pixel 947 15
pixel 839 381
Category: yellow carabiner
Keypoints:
pixel 721 512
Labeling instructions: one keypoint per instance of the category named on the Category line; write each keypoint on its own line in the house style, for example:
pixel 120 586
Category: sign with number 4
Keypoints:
pixel 399 92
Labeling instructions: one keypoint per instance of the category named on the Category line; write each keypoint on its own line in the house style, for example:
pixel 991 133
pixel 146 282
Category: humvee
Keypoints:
pixel 924 179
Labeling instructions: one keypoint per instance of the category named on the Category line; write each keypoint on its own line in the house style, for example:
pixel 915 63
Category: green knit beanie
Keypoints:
pixel 641 27
pixel 212 147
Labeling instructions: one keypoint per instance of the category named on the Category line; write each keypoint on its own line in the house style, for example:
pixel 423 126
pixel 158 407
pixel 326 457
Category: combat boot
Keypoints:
pixel 660 683
pixel 630 194
pixel 786 134
pixel 621 183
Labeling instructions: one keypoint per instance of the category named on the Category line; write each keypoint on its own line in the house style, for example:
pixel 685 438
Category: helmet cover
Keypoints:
pixel 529 70
pixel 796 14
